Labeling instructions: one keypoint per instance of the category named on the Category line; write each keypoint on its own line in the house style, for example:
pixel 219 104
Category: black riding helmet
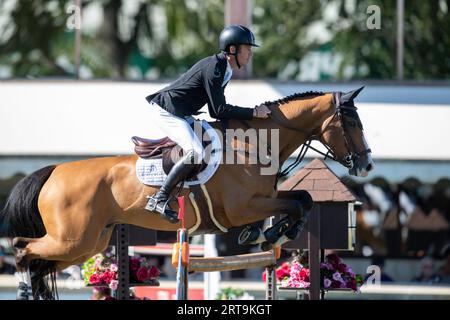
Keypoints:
pixel 236 35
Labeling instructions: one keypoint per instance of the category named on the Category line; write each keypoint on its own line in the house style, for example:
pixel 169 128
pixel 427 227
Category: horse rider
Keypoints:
pixel 204 83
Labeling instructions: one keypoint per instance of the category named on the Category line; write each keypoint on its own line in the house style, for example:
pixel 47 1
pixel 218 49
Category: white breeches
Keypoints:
pixel 177 129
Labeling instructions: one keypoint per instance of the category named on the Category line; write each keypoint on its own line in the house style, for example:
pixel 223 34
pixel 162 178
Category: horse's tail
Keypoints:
pixel 21 218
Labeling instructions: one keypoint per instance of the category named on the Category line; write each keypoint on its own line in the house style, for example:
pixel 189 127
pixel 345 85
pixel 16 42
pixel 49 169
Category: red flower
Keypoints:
pixel 153 273
pixel 342 268
pixel 108 276
pixel 135 264
pixel 142 274
pixel 285 266
pixel 352 284
pixel 334 260
pixel 304 274
pixel 95 279
pixel 282 273
pixel 335 284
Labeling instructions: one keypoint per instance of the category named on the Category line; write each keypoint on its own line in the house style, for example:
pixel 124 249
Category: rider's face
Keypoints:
pixel 244 54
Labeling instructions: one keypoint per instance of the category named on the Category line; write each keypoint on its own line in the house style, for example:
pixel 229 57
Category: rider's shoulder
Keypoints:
pixel 216 65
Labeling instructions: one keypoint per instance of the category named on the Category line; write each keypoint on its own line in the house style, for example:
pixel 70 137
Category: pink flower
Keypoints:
pixel 113 284
pixel 294 283
pixel 113 267
pixel 98 263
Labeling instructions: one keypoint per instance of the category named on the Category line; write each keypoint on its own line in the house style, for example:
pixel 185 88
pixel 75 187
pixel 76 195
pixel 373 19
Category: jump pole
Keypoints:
pixel 184 264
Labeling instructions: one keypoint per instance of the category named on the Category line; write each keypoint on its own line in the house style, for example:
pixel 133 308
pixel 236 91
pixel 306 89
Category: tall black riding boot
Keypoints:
pixel 159 202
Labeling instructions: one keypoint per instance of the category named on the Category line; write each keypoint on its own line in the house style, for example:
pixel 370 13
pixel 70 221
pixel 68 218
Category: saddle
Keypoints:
pixel 164 148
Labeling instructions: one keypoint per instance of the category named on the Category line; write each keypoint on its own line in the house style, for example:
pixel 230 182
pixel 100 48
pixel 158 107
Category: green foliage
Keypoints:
pixel 88 269
pixel 372 53
pixel 27 44
pixel 281 28
pixel 154 39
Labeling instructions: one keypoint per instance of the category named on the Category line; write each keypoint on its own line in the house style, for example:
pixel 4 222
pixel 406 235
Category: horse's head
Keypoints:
pixel 343 134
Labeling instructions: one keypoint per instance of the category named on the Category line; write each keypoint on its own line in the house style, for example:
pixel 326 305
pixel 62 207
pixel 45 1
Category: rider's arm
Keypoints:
pixel 218 108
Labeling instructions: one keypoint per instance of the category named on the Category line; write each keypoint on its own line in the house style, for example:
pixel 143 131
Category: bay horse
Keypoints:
pixel 63 214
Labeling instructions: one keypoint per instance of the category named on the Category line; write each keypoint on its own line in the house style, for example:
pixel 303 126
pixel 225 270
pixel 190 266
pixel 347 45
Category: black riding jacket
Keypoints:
pixel 201 84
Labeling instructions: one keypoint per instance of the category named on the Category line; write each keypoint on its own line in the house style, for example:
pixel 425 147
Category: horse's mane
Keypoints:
pixel 293 97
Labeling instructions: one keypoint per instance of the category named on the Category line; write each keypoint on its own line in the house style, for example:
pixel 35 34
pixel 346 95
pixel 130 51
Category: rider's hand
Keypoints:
pixel 261 112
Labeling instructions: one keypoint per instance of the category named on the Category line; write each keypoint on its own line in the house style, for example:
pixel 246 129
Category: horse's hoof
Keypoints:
pixel 266 246
pixel 23 292
pixel 249 235
pixel 275 232
pixel 293 232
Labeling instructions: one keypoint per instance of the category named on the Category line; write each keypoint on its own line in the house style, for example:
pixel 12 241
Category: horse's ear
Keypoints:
pixel 349 96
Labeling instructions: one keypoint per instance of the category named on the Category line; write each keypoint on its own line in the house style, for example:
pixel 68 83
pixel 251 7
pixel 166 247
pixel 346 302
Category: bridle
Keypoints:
pixel 349 159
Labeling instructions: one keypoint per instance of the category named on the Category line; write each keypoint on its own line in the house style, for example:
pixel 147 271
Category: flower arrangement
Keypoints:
pixel 334 273
pixel 102 270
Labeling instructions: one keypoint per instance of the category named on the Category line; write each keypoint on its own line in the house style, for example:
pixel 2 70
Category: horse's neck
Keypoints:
pixel 306 115
pixel 297 120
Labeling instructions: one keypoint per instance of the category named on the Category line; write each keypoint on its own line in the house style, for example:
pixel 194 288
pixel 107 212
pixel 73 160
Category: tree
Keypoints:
pixel 372 53
pixel 31 43
pixel 281 27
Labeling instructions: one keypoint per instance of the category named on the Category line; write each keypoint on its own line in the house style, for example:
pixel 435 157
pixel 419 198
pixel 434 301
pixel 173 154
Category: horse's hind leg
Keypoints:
pixel 289 227
pixel 102 245
pixel 48 251
pixel 24 291
pixel 295 204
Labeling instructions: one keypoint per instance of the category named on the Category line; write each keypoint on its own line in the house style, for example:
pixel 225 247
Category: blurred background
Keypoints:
pixel 74 75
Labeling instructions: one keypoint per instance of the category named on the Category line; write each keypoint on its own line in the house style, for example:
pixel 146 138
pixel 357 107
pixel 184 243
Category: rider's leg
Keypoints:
pixel 179 131
pixel 159 202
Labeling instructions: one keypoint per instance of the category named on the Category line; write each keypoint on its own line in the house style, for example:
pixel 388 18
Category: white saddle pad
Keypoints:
pixel 150 171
